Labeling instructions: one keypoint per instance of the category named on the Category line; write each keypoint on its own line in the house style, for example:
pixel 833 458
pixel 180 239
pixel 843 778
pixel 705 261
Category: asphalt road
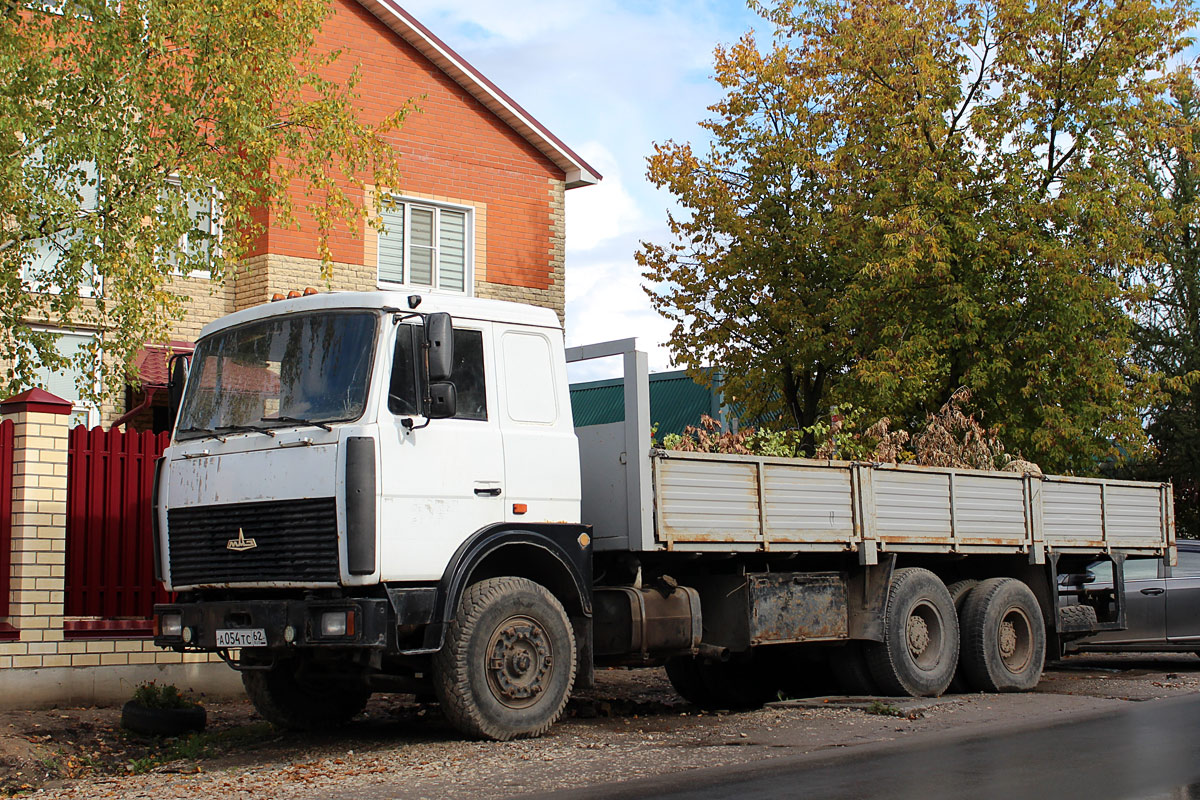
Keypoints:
pixel 1148 752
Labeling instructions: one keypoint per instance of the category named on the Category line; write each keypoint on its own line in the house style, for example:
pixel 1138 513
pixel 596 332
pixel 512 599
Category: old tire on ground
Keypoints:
pixel 850 671
pixel 919 651
pixel 508 663
pixel 1004 637
pixel 162 721
pixel 958 593
pixel 286 702
pixel 744 681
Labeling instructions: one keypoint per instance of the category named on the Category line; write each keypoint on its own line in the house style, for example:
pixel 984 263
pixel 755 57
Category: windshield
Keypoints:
pixel 285 370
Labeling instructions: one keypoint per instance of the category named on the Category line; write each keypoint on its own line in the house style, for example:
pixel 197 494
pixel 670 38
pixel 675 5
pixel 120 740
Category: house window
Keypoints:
pixel 66 382
pixel 83 183
pixel 197 246
pixel 426 246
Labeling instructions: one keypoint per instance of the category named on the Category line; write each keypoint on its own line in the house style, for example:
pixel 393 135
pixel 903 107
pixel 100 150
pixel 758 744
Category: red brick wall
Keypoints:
pixel 454 148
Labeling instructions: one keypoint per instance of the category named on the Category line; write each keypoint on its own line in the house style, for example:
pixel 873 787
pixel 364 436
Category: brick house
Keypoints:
pixel 480 211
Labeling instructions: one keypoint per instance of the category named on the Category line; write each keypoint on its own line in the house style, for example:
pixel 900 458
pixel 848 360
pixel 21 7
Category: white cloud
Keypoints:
pixel 599 213
pixel 610 79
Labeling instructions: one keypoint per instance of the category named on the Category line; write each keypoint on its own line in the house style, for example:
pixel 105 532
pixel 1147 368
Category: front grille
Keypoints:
pixel 295 541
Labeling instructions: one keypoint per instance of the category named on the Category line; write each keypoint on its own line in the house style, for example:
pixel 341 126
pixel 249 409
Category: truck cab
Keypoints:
pixel 341 464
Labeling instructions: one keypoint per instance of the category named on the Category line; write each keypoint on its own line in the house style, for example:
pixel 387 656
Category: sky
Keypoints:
pixel 609 79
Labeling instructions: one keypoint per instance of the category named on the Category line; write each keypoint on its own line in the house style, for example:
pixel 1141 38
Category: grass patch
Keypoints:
pixel 884 710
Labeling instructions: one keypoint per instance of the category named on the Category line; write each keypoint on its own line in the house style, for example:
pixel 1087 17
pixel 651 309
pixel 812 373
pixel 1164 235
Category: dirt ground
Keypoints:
pixel 631 725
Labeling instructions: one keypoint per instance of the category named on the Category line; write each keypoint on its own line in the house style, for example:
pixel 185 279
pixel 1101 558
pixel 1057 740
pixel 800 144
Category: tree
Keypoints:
pixel 120 126
pixel 906 198
pixel 1167 336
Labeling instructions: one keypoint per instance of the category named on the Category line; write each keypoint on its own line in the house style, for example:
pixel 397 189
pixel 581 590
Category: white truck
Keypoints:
pixel 385 492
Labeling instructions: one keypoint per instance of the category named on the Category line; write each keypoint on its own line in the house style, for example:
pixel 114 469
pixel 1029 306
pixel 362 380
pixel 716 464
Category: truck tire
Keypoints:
pixel 919 651
pixel 742 682
pixel 850 671
pixel 1004 637
pixel 958 593
pixel 287 703
pixel 507 666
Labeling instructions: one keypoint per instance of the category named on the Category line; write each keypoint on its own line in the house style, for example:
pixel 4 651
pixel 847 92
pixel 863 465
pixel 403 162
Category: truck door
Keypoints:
pixel 541 453
pixel 442 482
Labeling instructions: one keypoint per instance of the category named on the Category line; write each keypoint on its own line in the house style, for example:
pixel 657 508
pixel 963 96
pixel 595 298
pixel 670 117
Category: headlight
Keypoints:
pixel 337 623
pixel 170 625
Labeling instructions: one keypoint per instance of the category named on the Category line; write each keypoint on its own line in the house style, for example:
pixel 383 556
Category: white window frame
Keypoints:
pixel 409 203
pixel 216 220
pixel 79 405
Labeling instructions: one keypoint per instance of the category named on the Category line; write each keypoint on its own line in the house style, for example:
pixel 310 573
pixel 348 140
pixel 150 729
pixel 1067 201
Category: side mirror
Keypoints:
pixel 1080 579
pixel 439 336
pixel 179 373
pixel 443 400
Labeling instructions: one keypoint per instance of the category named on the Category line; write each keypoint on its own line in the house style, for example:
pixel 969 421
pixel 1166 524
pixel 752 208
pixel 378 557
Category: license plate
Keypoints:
pixel 242 637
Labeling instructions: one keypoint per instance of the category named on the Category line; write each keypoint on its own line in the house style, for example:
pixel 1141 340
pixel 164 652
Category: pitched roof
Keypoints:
pixel 578 171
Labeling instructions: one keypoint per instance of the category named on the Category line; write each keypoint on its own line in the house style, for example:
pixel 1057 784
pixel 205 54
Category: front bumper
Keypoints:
pixel 284 623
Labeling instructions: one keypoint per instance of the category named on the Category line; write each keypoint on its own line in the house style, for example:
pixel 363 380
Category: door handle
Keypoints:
pixel 1151 591
pixel 493 491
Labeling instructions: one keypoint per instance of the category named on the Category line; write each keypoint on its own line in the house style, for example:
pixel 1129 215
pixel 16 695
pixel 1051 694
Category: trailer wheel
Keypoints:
pixel 919 651
pixel 850 671
pixel 286 702
pixel 1004 638
pixel 508 662
pixel 744 681
pixel 958 593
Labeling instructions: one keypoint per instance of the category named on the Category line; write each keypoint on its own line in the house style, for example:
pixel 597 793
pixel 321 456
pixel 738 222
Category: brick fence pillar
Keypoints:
pixel 39 528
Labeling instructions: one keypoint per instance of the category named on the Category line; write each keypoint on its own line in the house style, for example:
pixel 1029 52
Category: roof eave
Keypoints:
pixel 577 171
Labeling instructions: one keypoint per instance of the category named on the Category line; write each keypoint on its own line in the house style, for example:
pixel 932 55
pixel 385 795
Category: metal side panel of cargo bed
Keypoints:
pixel 719 502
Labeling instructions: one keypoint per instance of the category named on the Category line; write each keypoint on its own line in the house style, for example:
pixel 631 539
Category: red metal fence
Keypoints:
pixel 6 509
pixel 110 552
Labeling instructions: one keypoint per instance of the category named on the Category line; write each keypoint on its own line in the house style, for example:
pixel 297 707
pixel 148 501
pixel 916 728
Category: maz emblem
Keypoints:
pixel 241 543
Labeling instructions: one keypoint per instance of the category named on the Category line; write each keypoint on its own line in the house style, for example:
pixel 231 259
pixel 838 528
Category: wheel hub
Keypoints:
pixel 1008 640
pixel 918 635
pixel 519 662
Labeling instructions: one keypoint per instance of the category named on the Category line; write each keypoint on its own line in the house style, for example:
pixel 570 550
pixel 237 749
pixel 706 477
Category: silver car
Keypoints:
pixel 1162 604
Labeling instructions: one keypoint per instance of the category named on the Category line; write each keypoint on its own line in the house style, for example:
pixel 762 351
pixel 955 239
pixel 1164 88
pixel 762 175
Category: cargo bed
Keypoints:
pixel 640 498
pixel 706 501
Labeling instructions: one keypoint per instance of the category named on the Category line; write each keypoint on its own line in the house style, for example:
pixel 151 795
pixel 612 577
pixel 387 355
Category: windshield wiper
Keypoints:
pixel 246 428
pixel 298 421
pixel 209 432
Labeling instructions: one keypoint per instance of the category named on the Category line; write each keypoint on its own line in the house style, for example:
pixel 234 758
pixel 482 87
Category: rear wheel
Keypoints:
pixel 919 651
pixel 1004 639
pixel 286 701
pixel 508 662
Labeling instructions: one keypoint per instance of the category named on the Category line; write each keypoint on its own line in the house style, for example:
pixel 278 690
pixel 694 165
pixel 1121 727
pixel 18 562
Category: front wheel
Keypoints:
pixel 507 666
